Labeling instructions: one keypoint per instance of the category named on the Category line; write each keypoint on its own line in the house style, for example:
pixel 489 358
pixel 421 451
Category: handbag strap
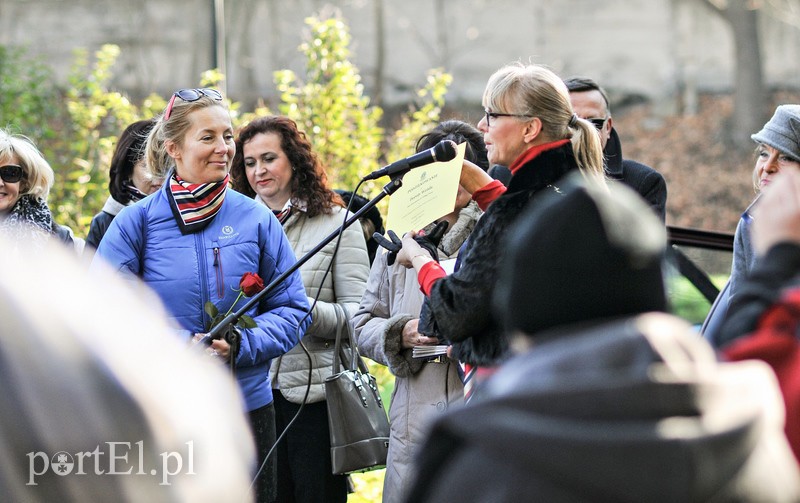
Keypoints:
pixel 340 358
pixel 355 358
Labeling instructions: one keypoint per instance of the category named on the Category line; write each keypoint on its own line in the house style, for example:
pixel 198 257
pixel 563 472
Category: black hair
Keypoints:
pixel 129 150
pixel 585 84
pixel 459 132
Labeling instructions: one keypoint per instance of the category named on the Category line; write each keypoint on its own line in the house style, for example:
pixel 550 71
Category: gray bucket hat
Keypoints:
pixel 782 132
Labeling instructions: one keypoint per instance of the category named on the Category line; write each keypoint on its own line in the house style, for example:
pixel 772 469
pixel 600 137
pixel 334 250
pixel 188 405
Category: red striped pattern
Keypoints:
pixel 197 202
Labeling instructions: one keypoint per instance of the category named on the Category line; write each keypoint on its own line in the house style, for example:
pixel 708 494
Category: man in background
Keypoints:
pixel 590 102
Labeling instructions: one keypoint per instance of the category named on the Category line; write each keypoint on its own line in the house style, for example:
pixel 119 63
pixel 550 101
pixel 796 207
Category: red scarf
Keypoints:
pixel 532 152
pixel 486 195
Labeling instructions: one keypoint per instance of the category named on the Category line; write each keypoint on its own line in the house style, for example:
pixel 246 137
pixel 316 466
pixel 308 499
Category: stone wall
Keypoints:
pixel 652 49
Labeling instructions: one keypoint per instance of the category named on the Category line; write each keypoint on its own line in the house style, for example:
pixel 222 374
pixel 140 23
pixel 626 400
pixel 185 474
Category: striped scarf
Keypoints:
pixel 194 205
pixel 283 215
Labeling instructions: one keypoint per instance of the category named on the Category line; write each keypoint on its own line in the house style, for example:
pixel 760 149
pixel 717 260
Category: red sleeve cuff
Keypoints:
pixel 428 275
pixel 488 193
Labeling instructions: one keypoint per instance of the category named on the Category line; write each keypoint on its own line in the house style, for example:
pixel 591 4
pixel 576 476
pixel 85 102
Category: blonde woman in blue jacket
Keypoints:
pixel 194 239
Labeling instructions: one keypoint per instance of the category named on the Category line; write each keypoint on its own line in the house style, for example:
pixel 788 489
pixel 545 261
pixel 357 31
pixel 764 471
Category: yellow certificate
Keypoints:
pixel 428 193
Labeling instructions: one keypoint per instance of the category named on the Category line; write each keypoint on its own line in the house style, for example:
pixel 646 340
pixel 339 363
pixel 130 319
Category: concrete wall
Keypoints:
pixel 648 48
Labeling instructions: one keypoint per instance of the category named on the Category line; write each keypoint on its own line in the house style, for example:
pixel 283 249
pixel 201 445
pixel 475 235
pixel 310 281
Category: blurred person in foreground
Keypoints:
pixel 100 402
pixel 777 150
pixel 277 166
pixel 608 397
pixel 590 102
pixel 195 240
pixel 386 325
pixel 25 182
pixel 128 178
pixel 763 320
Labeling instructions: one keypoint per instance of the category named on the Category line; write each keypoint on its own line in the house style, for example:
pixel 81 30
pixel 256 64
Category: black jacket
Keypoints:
pixel 643 179
pixel 100 224
pixel 611 413
pixel 459 306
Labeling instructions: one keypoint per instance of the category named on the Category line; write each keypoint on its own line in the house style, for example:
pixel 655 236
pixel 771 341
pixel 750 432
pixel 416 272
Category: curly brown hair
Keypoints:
pixel 309 182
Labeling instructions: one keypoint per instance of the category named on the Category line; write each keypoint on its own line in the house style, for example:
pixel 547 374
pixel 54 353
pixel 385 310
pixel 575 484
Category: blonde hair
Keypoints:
pixel 754 176
pixel 535 91
pixel 38 177
pixel 157 160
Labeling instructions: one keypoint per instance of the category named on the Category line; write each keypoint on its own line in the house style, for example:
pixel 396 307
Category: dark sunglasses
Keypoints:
pixel 191 95
pixel 11 173
pixel 598 123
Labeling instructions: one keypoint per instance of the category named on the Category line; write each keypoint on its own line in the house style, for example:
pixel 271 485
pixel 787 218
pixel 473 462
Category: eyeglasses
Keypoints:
pixel 191 95
pixel 598 123
pixel 494 115
pixel 11 173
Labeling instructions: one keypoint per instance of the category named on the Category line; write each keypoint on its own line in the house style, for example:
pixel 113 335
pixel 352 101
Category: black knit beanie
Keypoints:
pixel 582 254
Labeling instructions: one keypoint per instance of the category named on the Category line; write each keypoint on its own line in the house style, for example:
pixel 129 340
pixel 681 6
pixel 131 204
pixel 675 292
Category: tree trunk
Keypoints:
pixel 749 94
pixel 750 97
pixel 380 53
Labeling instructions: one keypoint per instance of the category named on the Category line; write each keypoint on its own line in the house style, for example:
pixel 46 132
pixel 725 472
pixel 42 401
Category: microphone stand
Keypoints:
pixel 229 321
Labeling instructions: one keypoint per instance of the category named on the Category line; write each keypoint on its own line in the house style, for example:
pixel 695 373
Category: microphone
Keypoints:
pixel 443 151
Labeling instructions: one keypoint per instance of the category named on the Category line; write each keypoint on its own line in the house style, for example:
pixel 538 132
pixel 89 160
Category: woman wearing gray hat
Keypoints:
pixel 778 149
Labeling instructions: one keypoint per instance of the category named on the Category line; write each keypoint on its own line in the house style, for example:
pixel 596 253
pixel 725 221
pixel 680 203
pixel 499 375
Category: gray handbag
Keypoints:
pixel 357 420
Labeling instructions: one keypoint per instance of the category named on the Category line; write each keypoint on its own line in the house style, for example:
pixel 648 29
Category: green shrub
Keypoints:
pixel 330 105
pixel 30 103
pixel 686 301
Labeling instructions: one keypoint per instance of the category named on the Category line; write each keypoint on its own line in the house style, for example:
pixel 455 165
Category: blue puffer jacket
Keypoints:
pixel 188 270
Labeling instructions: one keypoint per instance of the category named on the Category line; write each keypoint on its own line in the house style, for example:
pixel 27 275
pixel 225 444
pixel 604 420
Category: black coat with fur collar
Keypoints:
pixel 459 307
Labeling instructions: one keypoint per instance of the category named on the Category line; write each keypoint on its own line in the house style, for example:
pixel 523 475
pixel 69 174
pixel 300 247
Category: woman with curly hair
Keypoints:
pixel 275 164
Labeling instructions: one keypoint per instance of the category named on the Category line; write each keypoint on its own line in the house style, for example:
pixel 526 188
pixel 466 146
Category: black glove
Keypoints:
pixel 429 242
pixel 427 324
pixel 393 246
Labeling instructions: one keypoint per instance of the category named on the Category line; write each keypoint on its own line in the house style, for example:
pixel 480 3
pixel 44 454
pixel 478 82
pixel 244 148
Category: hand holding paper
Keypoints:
pixel 428 193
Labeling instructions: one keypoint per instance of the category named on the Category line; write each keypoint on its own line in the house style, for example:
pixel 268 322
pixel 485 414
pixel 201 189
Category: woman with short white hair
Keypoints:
pixel 25 182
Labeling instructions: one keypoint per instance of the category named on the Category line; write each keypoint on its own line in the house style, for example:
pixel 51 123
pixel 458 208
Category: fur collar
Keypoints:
pixel 455 237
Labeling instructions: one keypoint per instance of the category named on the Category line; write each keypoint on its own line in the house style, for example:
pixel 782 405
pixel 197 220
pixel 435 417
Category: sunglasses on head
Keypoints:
pixel 191 95
pixel 11 173
pixel 598 123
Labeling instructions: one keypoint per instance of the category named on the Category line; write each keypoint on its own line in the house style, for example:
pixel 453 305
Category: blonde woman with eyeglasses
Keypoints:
pixel 528 125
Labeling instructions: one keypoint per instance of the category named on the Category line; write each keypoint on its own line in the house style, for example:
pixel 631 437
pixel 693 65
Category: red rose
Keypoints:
pixel 251 283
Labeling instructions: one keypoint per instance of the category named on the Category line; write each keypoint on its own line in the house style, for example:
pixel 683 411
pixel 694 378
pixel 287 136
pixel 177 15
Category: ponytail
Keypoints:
pixel 157 161
pixel 587 148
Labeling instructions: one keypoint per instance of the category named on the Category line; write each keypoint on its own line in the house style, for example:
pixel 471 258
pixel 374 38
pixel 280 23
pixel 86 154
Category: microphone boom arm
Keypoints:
pixel 389 189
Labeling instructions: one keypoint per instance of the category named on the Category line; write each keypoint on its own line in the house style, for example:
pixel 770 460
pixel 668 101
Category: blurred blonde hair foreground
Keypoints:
pixel 100 401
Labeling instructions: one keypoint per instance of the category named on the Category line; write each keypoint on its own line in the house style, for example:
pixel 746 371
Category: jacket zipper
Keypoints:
pixel 204 287
pixel 219 274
